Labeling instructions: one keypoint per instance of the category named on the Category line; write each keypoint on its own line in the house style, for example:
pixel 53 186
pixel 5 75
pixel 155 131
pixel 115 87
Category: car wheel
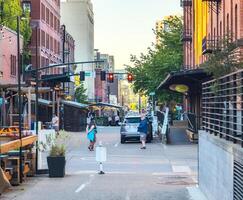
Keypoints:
pixel 123 140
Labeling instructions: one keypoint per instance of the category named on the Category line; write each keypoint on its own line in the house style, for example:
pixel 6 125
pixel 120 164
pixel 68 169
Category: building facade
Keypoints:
pixel 8 57
pixel 45 45
pixel 105 91
pixel 77 15
pixel 212 23
pixel 68 49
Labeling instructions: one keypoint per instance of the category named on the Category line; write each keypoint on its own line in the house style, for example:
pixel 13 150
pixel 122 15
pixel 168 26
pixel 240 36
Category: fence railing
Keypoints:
pixel 222 106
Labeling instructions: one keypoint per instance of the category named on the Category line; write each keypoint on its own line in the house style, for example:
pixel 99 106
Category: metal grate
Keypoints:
pixel 222 106
pixel 238 181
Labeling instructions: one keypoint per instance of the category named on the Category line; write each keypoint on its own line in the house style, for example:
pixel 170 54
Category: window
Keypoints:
pixel 43 12
pixel 26 6
pixel 55 23
pixel 227 25
pixel 51 43
pixel 47 41
pixel 13 70
pixel 43 39
pixel 47 16
pixel 236 22
pixel 220 29
pixel 51 18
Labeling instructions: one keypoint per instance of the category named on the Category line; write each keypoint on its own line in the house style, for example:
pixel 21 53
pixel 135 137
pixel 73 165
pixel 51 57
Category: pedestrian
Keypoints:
pixel 117 119
pixel 55 123
pixel 109 120
pixel 91 131
pixel 142 129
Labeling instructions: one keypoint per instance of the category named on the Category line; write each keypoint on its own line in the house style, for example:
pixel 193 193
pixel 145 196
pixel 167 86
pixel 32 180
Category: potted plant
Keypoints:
pixel 56 145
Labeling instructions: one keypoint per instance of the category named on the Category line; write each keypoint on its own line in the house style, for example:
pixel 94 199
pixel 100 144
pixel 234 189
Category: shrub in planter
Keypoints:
pixel 57 149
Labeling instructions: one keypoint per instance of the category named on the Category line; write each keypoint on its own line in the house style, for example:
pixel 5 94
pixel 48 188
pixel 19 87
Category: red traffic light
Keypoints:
pixel 111 77
pixel 129 78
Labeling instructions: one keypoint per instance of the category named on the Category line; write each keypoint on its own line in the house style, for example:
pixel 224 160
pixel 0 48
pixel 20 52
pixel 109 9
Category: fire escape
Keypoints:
pixel 187 33
pixel 211 42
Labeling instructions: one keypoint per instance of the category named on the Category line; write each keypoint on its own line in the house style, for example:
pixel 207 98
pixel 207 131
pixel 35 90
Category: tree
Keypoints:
pixel 151 68
pixel 10 9
pixel 80 95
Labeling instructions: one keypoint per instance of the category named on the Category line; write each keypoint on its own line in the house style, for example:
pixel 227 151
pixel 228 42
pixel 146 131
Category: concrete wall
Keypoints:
pixel 216 162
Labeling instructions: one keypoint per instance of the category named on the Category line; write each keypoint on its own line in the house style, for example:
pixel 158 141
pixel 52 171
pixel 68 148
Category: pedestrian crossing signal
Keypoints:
pixel 129 78
pixel 111 77
pixel 103 75
pixel 82 76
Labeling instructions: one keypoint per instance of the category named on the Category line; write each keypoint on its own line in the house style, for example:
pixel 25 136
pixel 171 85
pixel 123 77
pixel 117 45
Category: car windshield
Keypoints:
pixel 133 120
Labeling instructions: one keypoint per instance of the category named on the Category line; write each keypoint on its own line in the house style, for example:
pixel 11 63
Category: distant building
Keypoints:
pixel 8 57
pixel 78 17
pixel 105 91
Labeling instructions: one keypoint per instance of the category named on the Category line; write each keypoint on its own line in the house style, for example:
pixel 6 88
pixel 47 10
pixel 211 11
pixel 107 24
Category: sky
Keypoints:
pixel 124 27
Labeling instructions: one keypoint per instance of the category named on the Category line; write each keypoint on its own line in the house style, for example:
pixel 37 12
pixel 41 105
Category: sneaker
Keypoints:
pixel 143 148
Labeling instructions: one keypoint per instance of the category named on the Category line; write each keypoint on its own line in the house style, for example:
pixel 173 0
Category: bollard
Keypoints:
pixel 101 156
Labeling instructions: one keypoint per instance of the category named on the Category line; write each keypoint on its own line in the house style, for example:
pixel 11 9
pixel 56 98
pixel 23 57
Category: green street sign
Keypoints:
pixel 88 74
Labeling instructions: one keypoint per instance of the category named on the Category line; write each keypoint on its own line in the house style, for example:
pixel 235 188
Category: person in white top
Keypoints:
pixel 117 119
pixel 55 123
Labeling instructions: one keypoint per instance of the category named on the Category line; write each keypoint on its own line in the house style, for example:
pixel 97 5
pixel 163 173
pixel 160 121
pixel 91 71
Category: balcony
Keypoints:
pixel 210 45
pixel 186 36
pixel 185 3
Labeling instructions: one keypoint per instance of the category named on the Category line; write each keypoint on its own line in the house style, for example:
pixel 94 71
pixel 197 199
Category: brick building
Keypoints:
pixel 46 35
pixel 8 56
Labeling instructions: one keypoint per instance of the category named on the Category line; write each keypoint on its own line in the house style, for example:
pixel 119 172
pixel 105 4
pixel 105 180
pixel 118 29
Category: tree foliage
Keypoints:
pixel 150 69
pixel 223 60
pixel 10 9
pixel 80 95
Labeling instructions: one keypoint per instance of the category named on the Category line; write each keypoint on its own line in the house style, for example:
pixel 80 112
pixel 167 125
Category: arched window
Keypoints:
pixel 236 22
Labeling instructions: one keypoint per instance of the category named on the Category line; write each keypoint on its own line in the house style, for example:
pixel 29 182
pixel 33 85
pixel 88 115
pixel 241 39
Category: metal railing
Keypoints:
pixel 193 121
pixel 222 106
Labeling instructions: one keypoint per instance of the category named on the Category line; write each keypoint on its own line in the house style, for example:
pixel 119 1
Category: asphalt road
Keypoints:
pixel 158 173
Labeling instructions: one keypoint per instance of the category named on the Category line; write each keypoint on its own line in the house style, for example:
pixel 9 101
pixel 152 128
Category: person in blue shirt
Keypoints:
pixel 143 129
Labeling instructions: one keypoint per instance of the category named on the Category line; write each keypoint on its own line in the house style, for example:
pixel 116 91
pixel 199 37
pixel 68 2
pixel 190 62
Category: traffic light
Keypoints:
pixel 103 75
pixel 82 76
pixel 111 77
pixel 129 78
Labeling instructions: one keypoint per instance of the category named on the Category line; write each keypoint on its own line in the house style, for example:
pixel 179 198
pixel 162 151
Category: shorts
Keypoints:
pixel 143 137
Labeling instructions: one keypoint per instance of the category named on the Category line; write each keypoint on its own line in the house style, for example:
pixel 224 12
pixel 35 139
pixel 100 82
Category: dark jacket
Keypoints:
pixel 143 126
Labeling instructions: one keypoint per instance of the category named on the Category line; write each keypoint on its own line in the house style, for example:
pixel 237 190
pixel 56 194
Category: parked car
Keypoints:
pixel 129 128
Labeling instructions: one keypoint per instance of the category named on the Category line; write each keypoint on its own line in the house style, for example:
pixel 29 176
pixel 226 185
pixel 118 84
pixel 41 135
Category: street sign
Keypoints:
pixel 152 93
pixel 88 74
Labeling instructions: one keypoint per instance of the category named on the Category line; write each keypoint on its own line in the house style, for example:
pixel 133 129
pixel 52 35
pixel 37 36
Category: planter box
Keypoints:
pixel 56 166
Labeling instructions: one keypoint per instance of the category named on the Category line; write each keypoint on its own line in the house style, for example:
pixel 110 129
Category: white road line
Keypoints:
pixel 81 187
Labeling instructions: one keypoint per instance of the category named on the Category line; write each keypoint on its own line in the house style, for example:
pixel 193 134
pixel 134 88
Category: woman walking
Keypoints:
pixel 91 134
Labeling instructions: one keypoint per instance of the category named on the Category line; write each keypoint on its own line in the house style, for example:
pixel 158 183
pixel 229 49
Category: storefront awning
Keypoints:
pixel 106 105
pixel 184 81
pixel 43 102
pixel 75 104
